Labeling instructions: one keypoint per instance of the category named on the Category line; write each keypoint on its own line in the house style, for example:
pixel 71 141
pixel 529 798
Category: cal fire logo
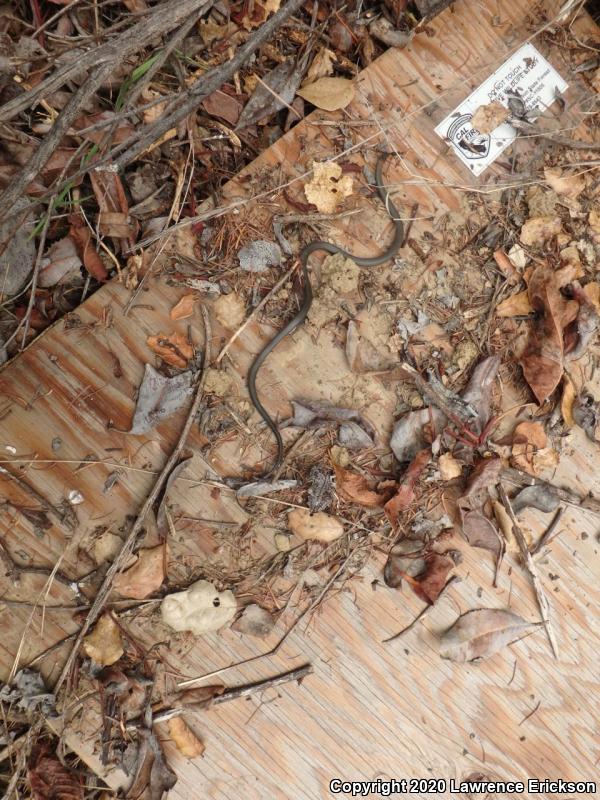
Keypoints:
pixel 473 144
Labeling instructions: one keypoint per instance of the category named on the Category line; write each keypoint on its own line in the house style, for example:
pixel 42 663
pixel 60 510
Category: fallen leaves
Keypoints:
pixel 153 776
pixel 60 263
pixel 538 230
pixel 174 349
pixel 159 397
pixel 354 488
pixel 82 236
pixel 482 632
pixel 186 741
pixel 328 186
pixel 145 576
pixel 429 583
pixel 542 360
pixel 320 526
pixel 184 308
pixel 49 780
pixel 328 94
pixel 254 621
pixel 199 609
pixel 564 183
pixel 530 450
pixel 104 645
pixel 488 117
pixel 405 495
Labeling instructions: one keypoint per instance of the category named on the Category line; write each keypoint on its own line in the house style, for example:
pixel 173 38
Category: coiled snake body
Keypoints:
pixel 307 298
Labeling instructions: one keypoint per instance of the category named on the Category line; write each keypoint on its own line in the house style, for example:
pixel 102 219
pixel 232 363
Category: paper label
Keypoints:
pixel 526 76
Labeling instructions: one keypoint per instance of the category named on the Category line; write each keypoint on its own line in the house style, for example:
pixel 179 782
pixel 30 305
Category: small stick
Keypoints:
pixel 137 526
pixel 245 690
pixel 583 501
pixel 423 613
pixel 543 604
pixel 253 315
pixel 549 534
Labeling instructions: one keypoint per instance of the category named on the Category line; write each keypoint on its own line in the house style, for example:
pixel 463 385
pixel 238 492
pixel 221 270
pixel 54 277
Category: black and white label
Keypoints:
pixel 525 78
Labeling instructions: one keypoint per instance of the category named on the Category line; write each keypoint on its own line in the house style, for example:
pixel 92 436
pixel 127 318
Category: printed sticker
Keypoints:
pixel 527 79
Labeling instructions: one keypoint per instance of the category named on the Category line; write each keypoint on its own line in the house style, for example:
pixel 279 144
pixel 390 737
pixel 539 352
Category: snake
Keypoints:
pixel 307 298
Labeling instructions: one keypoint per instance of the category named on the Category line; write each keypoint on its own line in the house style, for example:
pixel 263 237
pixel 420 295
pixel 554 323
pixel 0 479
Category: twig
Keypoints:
pixel 423 613
pixel 256 311
pixel 236 692
pixel 105 59
pixel 208 83
pixel 549 534
pixel 190 681
pixel 543 604
pixel 531 713
pixel 137 526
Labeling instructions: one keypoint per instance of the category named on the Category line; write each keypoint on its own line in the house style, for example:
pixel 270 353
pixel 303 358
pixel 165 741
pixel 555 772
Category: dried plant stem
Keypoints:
pixel 118 563
pixel 543 604
pixel 236 692
pixel 550 532
pixel 255 313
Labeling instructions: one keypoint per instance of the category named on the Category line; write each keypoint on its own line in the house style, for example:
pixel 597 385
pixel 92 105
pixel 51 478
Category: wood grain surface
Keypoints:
pixel 370 709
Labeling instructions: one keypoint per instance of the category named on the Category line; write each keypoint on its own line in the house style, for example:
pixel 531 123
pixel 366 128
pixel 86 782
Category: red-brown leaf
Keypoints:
pixel 49 780
pixel 542 360
pixel 406 489
pixel 82 236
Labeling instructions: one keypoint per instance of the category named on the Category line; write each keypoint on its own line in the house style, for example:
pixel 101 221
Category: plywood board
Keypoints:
pixel 370 710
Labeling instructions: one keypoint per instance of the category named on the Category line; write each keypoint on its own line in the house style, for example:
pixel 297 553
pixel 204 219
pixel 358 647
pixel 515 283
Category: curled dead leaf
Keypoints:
pixel 174 348
pixel 428 584
pixel 406 489
pixel 449 467
pixel 320 526
pixel 563 183
pixel 542 359
pixel 254 621
pixel 188 744
pixel 516 305
pixel 354 488
pixel 104 644
pixel 145 576
pixel 184 308
pixel 537 230
pixel 530 451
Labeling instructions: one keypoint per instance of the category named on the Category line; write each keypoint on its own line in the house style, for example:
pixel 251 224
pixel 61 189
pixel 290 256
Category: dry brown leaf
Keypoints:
pixel 517 305
pixel 542 359
pixel 61 263
pixel 113 219
pixel 530 451
pixel 230 310
pixel 592 291
pixel 481 633
pixel 200 697
pixel 49 780
pixel 564 184
pixel 488 117
pixel 184 308
pixel 485 474
pixel 104 645
pixel 406 489
pixel 82 236
pixel 538 229
pixel 449 466
pixel 479 531
pixel 327 187
pixel 145 576
pixel 254 621
pixel 223 105
pixel 508 268
pixel 328 94
pixel 321 66
pixel 428 584
pixel 174 349
pixel 188 744
pixel 321 526
pixel 354 488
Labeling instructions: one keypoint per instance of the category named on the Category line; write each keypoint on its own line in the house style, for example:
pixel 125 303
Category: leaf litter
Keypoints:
pixel 525 293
